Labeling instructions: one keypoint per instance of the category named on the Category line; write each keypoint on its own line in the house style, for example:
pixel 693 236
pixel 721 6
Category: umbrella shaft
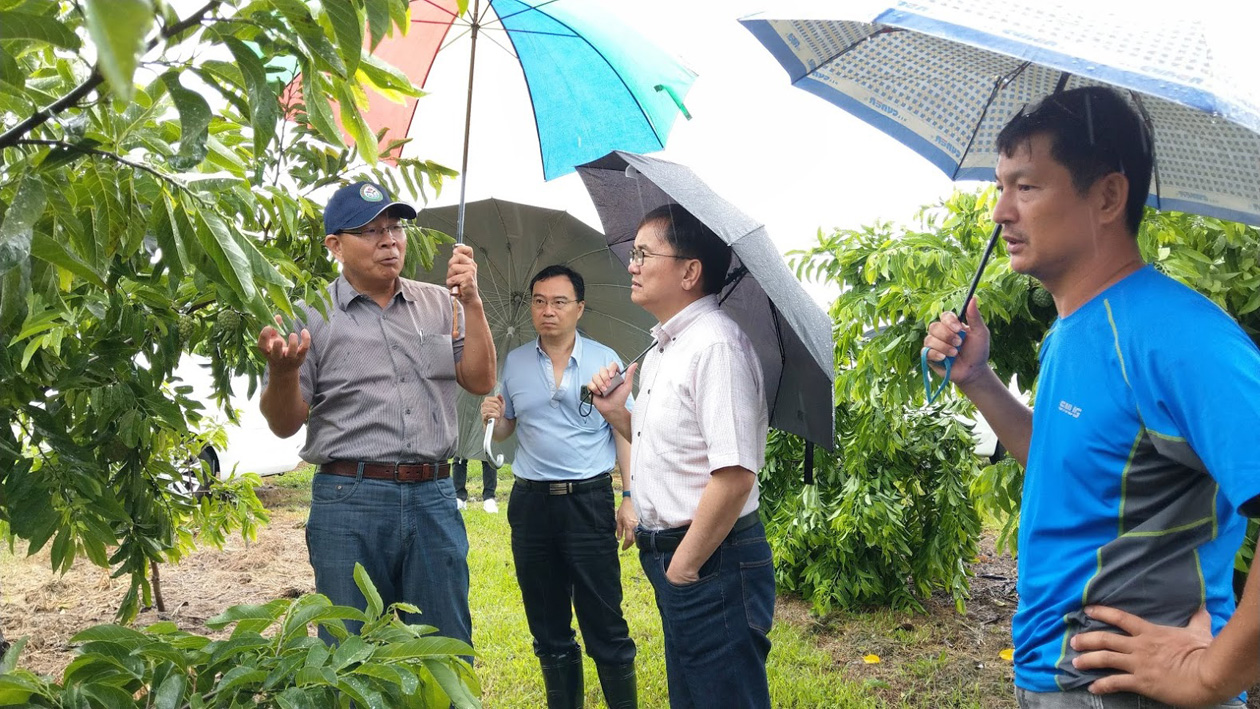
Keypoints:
pixel 975 281
pixel 463 165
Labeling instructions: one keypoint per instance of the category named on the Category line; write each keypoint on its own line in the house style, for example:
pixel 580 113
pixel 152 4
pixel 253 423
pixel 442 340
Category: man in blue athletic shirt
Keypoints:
pixel 1140 450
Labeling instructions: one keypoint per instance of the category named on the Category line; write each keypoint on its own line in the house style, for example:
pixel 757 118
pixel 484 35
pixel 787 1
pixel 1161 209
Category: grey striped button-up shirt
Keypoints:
pixel 380 382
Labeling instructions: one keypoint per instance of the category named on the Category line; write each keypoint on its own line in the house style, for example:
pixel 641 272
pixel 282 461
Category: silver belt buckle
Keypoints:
pixel 559 488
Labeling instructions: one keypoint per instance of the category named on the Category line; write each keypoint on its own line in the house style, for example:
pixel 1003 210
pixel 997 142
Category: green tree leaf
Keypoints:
pixel 21 25
pixel 118 29
pixel 378 21
pixel 194 119
pixel 17 229
pixel 375 606
pixel 347 24
pixel 264 109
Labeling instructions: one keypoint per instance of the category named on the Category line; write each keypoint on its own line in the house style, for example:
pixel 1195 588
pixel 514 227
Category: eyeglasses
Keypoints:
pixel 395 231
pixel 557 303
pixel 638 254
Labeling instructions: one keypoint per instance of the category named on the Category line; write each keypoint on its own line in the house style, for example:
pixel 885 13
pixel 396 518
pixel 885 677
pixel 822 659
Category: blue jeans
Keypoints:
pixel 410 538
pixel 716 629
pixel 1082 699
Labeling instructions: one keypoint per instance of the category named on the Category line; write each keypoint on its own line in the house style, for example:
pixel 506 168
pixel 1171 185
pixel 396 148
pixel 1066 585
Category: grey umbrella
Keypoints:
pixel 512 242
pixel 791 333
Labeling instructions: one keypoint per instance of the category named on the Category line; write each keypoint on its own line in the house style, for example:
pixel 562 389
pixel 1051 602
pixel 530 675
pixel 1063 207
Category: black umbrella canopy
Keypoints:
pixel 791 334
pixel 511 243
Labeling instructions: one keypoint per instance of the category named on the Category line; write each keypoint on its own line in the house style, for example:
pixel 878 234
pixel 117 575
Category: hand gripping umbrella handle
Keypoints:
pixel 615 380
pixel 487 442
pixel 948 362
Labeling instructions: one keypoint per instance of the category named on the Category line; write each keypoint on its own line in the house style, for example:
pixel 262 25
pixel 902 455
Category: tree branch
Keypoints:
pixel 12 136
pixel 106 154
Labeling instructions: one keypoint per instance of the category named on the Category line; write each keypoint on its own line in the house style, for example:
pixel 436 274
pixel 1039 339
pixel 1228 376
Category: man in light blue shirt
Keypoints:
pixel 564 529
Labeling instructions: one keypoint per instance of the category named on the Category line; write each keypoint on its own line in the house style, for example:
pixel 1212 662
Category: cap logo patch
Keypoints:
pixel 369 193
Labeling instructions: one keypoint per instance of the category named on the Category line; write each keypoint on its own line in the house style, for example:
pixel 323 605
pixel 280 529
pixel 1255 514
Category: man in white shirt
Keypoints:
pixel 698 438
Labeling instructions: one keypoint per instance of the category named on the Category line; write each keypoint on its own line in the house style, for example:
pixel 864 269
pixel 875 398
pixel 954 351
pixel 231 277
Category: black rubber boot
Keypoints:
pixel 618 683
pixel 562 676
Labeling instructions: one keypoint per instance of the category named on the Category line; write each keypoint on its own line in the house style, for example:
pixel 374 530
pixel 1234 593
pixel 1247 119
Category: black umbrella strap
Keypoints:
pixel 732 279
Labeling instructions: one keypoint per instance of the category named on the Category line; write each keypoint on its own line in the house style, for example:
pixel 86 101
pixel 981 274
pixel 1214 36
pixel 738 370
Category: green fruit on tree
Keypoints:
pixel 1042 298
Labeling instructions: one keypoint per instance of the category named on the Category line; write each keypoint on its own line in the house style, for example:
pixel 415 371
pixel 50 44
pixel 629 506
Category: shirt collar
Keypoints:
pixel 666 332
pixel 345 294
pixel 574 356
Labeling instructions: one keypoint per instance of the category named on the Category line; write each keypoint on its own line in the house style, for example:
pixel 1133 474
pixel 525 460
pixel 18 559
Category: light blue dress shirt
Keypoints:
pixel 555 441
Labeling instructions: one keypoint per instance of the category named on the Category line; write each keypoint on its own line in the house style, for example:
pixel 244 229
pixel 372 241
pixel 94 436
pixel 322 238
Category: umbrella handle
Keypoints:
pixel 947 363
pixel 489 441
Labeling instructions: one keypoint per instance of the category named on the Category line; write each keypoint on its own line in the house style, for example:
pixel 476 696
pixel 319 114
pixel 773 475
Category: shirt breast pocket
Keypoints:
pixel 435 358
pixel 671 422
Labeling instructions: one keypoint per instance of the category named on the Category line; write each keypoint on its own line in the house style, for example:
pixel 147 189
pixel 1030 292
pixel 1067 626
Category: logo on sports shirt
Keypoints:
pixel 1070 410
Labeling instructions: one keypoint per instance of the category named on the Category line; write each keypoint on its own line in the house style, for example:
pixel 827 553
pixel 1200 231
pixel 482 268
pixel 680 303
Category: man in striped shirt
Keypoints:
pixel 375 383
pixel 698 438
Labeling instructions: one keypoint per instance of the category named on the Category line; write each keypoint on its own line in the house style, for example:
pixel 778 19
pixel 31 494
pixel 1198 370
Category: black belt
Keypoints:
pixel 398 472
pixel 567 487
pixel 667 540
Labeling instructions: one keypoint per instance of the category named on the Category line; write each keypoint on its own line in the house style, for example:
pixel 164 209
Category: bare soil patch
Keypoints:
pixel 49 608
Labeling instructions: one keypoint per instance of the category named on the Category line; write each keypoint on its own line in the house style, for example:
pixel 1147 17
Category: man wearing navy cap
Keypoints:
pixel 375 384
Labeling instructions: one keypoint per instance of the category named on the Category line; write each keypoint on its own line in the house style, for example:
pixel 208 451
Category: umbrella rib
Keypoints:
pixel 846 50
pixel 436 6
pixel 439 7
pixel 521 12
pixel 583 255
pixel 1150 135
pixel 998 84
pixel 614 318
pixel 456 38
pixel 551 230
pixel 778 330
pixel 499 44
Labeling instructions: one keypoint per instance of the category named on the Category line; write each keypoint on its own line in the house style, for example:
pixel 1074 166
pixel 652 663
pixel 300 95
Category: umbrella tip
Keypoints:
pixel 632 172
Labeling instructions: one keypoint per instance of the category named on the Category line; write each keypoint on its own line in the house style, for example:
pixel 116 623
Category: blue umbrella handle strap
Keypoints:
pixel 947 363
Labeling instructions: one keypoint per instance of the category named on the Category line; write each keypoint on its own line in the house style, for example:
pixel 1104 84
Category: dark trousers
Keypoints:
pixel 489 478
pixel 565 550
pixel 716 629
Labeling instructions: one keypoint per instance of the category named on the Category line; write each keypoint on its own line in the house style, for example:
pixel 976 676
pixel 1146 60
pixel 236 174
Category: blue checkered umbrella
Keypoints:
pixel 944 76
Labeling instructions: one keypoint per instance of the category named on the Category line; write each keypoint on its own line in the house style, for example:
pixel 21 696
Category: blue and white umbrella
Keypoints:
pixel 944 76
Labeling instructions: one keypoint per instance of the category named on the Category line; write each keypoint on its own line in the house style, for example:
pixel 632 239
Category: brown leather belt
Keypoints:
pixel 398 472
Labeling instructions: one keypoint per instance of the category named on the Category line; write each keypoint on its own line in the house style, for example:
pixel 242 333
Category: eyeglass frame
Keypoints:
pixel 540 303
pixel 398 231
pixel 638 255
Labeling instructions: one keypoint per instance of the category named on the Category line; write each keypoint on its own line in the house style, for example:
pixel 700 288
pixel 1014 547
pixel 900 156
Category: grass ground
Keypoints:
pixel 937 659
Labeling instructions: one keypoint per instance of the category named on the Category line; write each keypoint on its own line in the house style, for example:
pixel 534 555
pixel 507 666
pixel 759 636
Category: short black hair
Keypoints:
pixel 692 238
pixel 1093 132
pixel 559 269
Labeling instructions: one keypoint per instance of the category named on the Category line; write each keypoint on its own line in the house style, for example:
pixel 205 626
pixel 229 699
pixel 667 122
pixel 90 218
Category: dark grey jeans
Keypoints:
pixel 1082 699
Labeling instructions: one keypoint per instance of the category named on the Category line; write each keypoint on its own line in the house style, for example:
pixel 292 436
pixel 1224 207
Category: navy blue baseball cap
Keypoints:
pixel 354 205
